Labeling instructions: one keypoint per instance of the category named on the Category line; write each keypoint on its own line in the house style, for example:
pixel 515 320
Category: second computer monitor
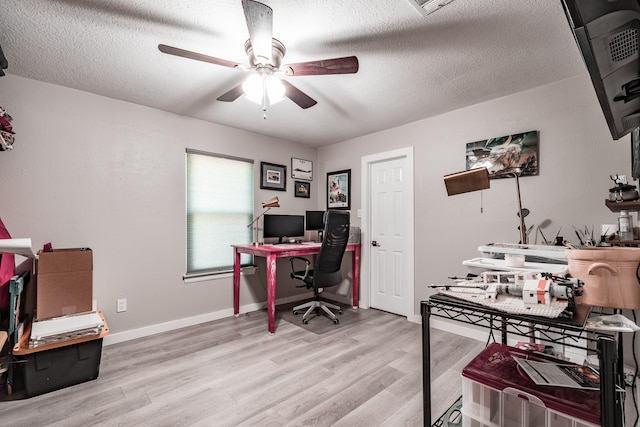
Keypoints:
pixel 314 220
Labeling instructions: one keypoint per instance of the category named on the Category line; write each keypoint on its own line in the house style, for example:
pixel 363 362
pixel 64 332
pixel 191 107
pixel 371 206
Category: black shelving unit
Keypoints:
pixel 568 332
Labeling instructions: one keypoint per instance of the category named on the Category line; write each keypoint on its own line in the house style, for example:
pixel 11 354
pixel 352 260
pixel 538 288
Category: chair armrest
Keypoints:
pixel 295 274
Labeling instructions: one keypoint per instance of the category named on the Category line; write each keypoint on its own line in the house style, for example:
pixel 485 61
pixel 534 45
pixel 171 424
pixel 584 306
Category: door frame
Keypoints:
pixel 365 240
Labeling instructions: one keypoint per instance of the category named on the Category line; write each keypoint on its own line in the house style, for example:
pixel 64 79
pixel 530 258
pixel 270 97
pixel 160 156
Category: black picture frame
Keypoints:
pixel 302 189
pixel 339 190
pixel 273 176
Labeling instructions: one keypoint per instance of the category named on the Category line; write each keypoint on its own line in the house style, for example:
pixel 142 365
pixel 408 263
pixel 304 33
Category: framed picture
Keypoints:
pixel 273 177
pixel 505 154
pixel 301 169
pixel 302 189
pixel 339 189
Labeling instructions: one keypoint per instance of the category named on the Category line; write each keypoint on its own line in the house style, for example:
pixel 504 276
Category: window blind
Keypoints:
pixel 219 206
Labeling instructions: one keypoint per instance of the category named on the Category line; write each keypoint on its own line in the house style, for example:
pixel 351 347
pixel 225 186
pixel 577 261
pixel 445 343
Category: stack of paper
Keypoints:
pixel 65 328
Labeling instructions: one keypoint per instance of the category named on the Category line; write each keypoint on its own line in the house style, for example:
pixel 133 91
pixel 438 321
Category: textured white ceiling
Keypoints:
pixel 411 66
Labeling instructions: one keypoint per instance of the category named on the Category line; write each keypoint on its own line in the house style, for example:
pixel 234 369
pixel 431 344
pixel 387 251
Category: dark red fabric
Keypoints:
pixel 7 269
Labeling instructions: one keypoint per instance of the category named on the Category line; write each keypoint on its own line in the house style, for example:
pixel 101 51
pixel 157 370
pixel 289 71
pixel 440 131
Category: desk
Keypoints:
pixel 272 253
pixel 569 332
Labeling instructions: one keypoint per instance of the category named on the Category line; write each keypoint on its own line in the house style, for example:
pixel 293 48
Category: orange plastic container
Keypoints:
pixel 611 276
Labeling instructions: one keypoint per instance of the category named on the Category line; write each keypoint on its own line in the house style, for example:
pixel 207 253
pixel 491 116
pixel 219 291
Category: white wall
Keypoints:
pixel 577 155
pixel 91 171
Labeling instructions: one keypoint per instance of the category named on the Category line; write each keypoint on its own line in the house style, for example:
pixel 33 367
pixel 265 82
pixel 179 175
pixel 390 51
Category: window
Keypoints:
pixel 219 207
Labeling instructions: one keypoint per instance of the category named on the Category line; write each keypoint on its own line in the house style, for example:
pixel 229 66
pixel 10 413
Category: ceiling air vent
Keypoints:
pixel 429 6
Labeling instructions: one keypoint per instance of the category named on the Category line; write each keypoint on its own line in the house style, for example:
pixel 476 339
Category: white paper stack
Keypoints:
pixel 65 328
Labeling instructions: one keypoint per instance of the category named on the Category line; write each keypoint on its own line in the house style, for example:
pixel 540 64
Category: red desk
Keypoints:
pixel 271 253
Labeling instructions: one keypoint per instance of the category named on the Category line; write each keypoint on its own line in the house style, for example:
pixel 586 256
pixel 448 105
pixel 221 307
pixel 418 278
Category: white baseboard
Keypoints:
pixel 481 333
pixel 118 337
pixel 460 329
pixel 191 321
pixel 452 327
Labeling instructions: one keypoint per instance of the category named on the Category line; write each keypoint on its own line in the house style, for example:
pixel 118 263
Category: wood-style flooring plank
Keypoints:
pixel 367 371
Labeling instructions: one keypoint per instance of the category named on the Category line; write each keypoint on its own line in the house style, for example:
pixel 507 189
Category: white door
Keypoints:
pixel 389 200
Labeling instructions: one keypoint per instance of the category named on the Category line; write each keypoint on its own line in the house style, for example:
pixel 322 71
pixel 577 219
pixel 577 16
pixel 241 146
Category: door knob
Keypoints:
pixel 374 243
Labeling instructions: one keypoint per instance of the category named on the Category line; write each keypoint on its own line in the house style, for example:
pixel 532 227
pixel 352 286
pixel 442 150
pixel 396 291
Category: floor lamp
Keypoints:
pixel 478 179
pixel 271 203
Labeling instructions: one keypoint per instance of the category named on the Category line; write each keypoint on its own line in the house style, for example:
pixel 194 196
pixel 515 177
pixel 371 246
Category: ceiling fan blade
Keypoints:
pixel 232 94
pixel 299 97
pixel 259 19
pixel 346 65
pixel 197 56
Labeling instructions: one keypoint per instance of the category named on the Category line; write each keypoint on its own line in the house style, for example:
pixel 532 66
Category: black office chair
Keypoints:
pixel 326 271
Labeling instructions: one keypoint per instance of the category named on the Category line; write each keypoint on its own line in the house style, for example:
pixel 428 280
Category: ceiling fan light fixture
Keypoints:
pixel 263 89
pixel 275 89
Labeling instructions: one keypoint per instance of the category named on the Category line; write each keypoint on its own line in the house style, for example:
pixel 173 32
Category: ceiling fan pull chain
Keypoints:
pixel 265 96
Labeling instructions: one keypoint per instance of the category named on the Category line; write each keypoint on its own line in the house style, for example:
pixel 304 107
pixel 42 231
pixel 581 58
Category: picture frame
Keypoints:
pixel 273 176
pixel 301 169
pixel 339 189
pixel 504 154
pixel 302 189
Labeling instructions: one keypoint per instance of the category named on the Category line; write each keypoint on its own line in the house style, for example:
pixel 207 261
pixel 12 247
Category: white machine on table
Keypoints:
pixel 508 257
pixel 515 278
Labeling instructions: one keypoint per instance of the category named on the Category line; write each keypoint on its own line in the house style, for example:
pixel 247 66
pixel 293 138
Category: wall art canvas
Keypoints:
pixel 505 154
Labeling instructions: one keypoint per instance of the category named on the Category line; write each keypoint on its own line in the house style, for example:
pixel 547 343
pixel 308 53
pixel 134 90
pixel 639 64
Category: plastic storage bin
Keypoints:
pixel 553 420
pixel 54 366
pixel 495 394
pixel 50 370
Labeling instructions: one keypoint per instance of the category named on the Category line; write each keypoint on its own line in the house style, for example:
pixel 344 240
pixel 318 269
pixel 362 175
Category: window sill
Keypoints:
pixel 245 271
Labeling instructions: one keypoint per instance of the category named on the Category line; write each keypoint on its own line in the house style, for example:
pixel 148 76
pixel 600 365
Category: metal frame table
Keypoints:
pixel 569 332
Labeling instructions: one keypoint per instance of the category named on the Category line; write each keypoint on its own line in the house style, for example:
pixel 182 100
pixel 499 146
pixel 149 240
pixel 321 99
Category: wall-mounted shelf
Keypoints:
pixel 613 240
pixel 632 206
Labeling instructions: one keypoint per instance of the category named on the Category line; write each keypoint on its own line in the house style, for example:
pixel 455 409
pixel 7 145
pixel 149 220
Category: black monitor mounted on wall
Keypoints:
pixel 607 32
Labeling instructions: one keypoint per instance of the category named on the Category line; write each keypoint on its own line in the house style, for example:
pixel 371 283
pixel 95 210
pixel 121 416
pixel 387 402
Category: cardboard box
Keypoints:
pixel 64 282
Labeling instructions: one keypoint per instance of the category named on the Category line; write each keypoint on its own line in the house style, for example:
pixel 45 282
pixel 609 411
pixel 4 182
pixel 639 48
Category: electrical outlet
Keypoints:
pixel 122 305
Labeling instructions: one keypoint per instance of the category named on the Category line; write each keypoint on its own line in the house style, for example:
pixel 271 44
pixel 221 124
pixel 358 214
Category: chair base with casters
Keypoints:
pixel 317 305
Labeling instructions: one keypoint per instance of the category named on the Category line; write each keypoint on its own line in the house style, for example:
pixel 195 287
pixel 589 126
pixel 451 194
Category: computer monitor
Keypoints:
pixel 314 220
pixel 282 226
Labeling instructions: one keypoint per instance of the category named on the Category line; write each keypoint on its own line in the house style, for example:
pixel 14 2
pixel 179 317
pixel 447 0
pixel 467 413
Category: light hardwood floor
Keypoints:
pixel 365 372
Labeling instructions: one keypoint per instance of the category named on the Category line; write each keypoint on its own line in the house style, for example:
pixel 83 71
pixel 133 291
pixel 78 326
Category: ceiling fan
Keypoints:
pixel 265 58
